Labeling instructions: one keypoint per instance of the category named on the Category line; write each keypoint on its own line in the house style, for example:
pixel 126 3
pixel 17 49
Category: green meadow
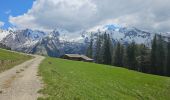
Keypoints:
pixel 10 59
pixel 73 80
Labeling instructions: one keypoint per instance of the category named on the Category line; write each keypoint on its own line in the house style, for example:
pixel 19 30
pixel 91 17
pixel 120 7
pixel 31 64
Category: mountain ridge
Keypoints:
pixel 60 41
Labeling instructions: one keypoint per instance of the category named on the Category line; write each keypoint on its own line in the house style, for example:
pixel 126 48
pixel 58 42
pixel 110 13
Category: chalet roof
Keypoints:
pixel 78 56
pixel 85 57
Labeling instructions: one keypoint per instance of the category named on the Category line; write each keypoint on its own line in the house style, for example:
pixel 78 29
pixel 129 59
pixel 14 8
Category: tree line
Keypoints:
pixel 153 60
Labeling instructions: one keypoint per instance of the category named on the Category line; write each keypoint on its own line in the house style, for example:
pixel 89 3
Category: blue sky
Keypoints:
pixel 13 8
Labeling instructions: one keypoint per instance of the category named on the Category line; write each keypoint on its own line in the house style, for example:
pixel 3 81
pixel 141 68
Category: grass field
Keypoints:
pixel 72 80
pixel 9 59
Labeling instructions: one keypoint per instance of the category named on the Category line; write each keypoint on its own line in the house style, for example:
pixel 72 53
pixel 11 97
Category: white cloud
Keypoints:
pixel 49 14
pixel 75 15
pixel 1 24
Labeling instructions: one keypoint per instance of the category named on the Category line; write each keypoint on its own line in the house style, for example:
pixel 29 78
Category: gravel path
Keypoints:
pixel 22 81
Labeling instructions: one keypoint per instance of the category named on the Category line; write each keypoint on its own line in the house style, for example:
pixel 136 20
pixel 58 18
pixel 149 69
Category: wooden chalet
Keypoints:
pixel 77 57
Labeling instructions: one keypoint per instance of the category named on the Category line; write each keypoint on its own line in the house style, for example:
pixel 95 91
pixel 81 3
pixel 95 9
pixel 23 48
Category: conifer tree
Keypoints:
pixel 89 52
pixel 118 56
pixel 131 56
pixel 168 60
pixel 107 57
pixel 143 59
pixel 98 49
pixel 160 56
pixel 153 68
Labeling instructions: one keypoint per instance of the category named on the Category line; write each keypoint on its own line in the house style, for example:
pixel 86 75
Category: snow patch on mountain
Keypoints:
pixel 123 34
pixel 112 27
pixel 65 36
pixel 3 34
pixel 107 27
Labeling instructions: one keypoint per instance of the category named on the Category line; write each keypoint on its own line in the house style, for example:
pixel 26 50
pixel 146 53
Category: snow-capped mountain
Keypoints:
pixel 3 34
pixel 52 45
pixel 124 34
pixel 20 39
pixel 60 41
pixel 32 41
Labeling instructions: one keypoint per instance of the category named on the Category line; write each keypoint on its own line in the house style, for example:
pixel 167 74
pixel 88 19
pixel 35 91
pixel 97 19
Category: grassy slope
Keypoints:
pixel 11 59
pixel 72 80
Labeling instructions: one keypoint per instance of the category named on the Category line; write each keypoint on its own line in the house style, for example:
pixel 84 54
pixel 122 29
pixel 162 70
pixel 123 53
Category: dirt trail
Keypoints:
pixel 22 81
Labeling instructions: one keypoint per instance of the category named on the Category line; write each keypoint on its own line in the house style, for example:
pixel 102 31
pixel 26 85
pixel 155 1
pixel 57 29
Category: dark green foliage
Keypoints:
pixel 153 56
pixel 89 52
pixel 168 59
pixel 98 49
pixel 131 56
pixel 143 58
pixel 106 56
pixel 118 55
pixel 102 51
pixel 160 56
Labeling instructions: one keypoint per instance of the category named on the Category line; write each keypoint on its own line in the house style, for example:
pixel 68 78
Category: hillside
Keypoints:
pixel 72 80
pixel 9 59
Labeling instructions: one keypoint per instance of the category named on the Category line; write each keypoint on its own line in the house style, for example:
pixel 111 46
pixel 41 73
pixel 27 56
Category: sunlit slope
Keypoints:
pixel 73 80
pixel 10 59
